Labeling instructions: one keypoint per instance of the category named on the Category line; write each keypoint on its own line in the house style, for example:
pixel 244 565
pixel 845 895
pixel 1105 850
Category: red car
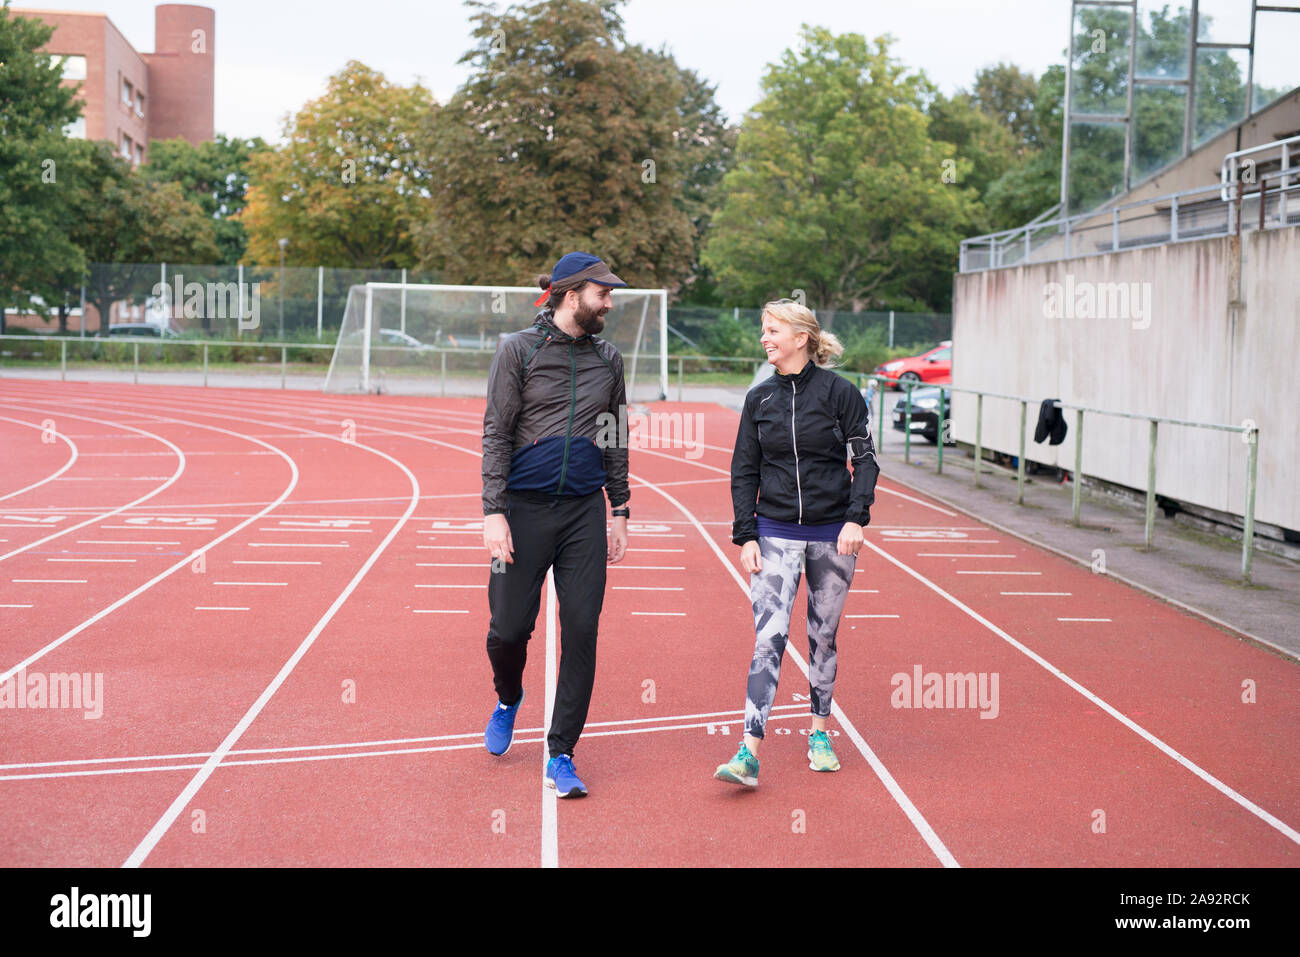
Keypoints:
pixel 934 366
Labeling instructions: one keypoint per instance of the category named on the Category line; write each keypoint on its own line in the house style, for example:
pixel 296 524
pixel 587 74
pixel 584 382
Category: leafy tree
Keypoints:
pixel 214 175
pixel 36 257
pixel 124 219
pixel 1009 94
pixel 350 183
pixel 565 138
pixel 979 136
pixel 838 187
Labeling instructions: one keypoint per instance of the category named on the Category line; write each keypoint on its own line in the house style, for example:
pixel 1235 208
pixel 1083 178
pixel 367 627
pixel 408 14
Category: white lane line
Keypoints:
pixel 1038 593
pixel 72 457
pixel 998 573
pixel 483 564
pixel 651 568
pixel 734 716
pixel 344 755
pixel 218 608
pixel 15 606
pixel 447 548
pixel 674 614
pixel 183 563
pixel 864 591
pixel 1083 619
pixel 550 823
pixel 451 586
pixel 297 545
pixel 959 555
pixel 871 616
pixel 439 611
pixel 42 581
pixel 99 561
pixel 890 491
pixel 904 802
pixel 656 549
pixel 647 587
pixel 265 584
pixel 946 541
pixel 165 822
pixel 180 467
pixel 111 541
pixel 269 561
pixel 320 531
pixel 169 527
pixel 1142 732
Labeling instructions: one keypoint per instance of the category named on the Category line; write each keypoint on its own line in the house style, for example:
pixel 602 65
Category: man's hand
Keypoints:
pixel 496 538
pixel 850 539
pixel 617 543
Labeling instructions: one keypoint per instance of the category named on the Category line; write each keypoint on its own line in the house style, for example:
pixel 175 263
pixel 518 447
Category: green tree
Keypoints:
pixel 1008 94
pixel 130 223
pixel 979 136
pixel 566 138
pixel 36 257
pixel 839 188
pixel 351 181
pixel 214 175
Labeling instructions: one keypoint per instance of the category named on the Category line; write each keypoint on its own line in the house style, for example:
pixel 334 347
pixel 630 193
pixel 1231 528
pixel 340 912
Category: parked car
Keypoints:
pixel 934 366
pixel 145 330
pixel 925 412
pixel 395 337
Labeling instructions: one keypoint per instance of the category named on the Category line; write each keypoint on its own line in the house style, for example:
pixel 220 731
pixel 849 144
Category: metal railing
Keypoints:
pixel 1250 433
pixel 1206 212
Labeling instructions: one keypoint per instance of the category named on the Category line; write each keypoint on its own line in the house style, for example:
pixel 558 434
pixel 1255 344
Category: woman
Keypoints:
pixel 797 506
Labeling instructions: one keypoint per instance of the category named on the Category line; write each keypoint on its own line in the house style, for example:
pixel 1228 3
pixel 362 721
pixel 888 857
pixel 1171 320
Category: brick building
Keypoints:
pixel 128 97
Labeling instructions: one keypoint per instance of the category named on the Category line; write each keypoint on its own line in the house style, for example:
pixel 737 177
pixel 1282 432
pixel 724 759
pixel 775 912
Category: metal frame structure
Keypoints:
pixel 1188 84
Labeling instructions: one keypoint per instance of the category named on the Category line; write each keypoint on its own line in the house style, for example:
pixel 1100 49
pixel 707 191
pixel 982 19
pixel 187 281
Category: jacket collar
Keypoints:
pixel 798 378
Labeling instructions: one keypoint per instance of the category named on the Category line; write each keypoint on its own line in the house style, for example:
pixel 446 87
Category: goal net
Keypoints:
pixel 440 340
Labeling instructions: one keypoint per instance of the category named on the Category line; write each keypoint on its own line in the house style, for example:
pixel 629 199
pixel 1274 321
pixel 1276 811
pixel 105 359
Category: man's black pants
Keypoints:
pixel 567 533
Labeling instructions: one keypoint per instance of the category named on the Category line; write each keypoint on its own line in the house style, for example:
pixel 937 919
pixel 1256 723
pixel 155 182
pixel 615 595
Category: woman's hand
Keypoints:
pixel 850 539
pixel 751 558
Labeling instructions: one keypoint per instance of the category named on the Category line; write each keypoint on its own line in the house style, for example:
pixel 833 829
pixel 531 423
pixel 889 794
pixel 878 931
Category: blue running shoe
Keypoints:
pixel 561 776
pixel 501 727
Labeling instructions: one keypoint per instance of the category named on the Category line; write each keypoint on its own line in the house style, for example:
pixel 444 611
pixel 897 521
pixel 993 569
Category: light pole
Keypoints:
pixel 284 244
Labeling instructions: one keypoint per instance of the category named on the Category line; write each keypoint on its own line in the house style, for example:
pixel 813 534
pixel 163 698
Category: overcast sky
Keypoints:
pixel 274 55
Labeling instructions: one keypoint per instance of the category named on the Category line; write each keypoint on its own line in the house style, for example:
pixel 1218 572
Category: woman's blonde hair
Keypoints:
pixel 822 346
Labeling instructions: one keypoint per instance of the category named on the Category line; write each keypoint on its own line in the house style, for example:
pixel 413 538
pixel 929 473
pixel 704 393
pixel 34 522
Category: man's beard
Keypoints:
pixel 589 320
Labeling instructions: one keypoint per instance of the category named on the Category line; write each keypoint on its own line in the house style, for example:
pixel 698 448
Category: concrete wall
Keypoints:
pixel 1190 356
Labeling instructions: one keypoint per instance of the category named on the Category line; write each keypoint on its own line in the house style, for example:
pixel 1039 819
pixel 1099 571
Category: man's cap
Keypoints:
pixel 577 267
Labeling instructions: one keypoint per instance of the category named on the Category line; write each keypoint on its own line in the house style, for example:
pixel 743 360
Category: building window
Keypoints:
pixel 139 104
pixel 76 129
pixel 139 155
pixel 74 67
pixel 126 146
pixel 128 92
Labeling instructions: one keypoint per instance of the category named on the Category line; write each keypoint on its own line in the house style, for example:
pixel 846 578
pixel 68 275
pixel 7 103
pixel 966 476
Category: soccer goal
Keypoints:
pixel 440 340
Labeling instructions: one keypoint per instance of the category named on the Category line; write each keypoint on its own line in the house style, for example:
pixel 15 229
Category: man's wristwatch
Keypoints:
pixel 625 512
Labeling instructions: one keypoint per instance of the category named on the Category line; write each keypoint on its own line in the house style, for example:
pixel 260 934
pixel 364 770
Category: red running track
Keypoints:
pixel 285 596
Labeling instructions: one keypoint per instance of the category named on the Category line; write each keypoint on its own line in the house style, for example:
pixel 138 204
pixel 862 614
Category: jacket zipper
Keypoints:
pixel 794 443
pixel 573 405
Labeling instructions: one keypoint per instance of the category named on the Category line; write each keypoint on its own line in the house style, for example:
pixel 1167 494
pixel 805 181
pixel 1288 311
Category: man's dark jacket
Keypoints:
pixel 546 395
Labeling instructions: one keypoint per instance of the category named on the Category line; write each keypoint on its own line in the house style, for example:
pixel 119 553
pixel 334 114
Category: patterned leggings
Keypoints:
pixel 773 593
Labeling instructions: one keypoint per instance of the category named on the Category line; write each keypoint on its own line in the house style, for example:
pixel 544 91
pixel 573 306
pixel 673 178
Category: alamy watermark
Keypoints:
pixel 1130 301
pixel 948 690
pixel 57 690
pixel 212 300
pixel 653 430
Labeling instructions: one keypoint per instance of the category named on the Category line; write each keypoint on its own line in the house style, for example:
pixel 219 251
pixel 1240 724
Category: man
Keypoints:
pixel 543 472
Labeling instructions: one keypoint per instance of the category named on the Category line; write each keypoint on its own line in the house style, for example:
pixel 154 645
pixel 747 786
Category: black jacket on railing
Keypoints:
pixel 797 432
